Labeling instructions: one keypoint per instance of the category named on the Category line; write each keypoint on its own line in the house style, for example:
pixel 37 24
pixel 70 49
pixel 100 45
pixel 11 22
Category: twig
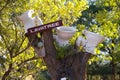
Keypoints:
pixel 7 46
pixel 33 58
pixel 22 51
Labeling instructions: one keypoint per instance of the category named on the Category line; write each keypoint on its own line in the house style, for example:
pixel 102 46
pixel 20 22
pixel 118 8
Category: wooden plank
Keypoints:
pixel 44 27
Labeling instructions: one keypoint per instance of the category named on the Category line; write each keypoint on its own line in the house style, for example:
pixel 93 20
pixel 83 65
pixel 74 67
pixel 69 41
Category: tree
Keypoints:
pixel 17 55
pixel 103 17
pixel 110 24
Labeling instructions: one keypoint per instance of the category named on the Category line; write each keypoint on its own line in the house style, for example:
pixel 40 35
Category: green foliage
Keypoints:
pixel 64 51
pixel 52 10
pixel 103 17
pixel 98 69
pixel 109 25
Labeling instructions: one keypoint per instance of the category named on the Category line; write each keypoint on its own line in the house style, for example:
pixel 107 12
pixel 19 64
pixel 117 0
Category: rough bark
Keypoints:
pixel 71 66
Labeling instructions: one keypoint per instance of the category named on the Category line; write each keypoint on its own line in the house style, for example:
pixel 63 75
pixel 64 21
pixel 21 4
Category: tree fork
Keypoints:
pixel 72 66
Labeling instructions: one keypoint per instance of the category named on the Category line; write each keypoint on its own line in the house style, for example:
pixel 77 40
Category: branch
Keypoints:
pixel 21 51
pixel 7 72
pixel 17 51
pixel 16 38
pixel 21 45
pixel 33 58
pixel 7 46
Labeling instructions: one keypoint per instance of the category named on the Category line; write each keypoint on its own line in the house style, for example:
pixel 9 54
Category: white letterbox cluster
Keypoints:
pixel 64 34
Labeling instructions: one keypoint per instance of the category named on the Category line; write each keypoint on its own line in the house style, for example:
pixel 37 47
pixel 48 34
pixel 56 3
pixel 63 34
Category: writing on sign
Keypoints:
pixel 44 27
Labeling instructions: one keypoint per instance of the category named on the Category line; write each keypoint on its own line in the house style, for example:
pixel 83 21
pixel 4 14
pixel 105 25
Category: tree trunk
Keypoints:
pixel 71 66
pixel 113 70
pixel 112 64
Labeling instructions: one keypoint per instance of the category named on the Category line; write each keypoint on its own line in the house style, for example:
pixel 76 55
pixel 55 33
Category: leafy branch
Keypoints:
pixel 23 62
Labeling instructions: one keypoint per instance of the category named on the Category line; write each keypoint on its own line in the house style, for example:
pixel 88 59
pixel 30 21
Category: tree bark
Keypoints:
pixel 113 70
pixel 72 66
pixel 112 64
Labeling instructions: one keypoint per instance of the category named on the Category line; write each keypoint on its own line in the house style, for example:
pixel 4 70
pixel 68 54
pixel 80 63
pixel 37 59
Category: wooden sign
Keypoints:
pixel 44 27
